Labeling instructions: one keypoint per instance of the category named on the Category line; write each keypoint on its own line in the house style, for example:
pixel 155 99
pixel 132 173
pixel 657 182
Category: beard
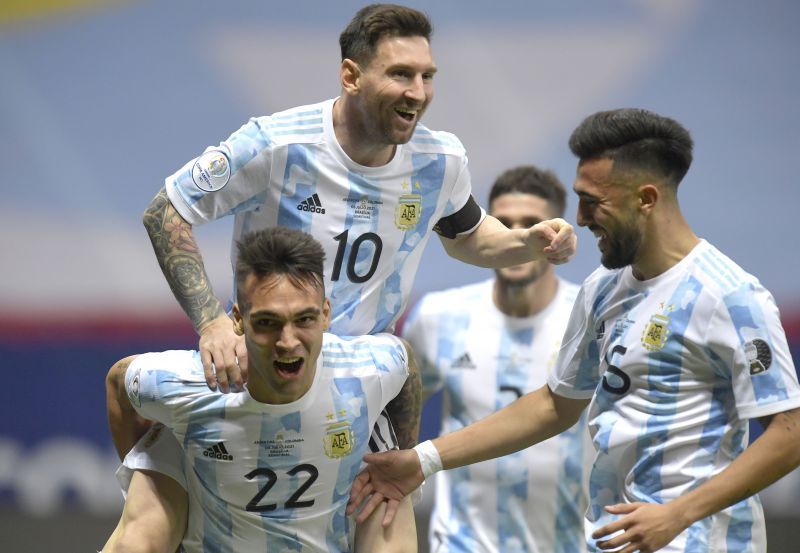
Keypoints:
pixel 523 280
pixel 623 247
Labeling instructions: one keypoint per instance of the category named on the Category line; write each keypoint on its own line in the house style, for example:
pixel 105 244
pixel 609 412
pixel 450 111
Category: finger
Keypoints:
pixel 241 358
pixel 369 506
pixel 622 508
pixel 208 369
pixel 608 529
pixel 234 374
pixel 222 377
pixel 617 541
pixel 391 510
pixel 363 492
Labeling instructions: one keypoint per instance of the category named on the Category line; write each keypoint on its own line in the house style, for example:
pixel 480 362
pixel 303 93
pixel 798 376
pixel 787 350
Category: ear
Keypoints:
pixel 238 322
pixel 326 314
pixel 350 76
pixel 648 197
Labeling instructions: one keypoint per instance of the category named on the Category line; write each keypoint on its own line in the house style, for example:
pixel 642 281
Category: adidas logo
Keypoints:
pixel 311 204
pixel 218 452
pixel 463 362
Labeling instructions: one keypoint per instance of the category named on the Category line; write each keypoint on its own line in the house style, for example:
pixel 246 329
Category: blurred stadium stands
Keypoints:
pixel 100 100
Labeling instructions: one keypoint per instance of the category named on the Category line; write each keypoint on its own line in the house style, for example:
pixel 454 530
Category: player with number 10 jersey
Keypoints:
pixel 288 169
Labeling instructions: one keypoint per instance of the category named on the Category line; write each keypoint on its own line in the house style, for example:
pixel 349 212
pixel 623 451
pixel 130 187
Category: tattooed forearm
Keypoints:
pixel 180 260
pixel 405 409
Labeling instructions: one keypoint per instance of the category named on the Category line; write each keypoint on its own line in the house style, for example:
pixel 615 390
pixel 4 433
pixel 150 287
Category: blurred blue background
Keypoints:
pixel 100 101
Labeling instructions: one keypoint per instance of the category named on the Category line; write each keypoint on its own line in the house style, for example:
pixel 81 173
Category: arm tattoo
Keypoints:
pixel 405 409
pixel 180 260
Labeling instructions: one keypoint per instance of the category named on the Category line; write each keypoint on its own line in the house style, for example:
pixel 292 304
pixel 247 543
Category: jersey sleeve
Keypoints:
pixel 225 179
pixel 391 361
pixel 747 339
pixel 463 214
pixel 577 370
pixel 420 332
pixel 157 384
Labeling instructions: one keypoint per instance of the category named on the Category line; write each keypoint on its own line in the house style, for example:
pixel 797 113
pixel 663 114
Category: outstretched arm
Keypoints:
pixel 494 245
pixel 531 419
pixel 651 526
pixel 223 352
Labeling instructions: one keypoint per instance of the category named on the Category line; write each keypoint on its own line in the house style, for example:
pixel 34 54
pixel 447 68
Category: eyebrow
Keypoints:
pixel 314 311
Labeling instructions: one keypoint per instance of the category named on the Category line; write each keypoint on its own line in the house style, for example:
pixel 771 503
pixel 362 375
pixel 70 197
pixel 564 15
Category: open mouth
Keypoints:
pixel 288 366
pixel 407 114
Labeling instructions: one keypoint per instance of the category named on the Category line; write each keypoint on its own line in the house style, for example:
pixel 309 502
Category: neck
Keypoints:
pixel 666 242
pixel 526 300
pixel 352 133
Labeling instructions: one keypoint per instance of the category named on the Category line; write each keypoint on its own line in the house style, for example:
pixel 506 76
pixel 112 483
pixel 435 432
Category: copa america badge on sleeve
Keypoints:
pixel 211 171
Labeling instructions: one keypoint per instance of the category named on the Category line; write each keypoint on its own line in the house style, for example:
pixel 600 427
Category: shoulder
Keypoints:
pixel 184 364
pixel 427 141
pixel 720 275
pixel 460 297
pixel 358 352
pixel 301 124
pixel 601 281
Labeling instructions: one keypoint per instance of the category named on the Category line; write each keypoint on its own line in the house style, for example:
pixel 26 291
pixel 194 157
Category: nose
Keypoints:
pixel 416 90
pixel 583 217
pixel 287 341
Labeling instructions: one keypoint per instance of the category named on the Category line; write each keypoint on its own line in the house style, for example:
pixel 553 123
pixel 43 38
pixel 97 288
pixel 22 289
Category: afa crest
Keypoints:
pixel 408 211
pixel 655 333
pixel 338 440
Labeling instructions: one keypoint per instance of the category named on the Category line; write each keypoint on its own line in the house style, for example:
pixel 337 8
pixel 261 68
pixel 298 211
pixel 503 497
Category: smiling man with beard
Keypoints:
pixel 268 468
pixel 671 345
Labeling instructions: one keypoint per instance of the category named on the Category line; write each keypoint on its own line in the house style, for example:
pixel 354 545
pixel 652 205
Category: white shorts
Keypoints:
pixel 158 450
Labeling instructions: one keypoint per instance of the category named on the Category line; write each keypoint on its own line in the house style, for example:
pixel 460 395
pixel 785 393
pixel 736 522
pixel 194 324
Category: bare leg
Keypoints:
pixel 154 517
pixel 399 537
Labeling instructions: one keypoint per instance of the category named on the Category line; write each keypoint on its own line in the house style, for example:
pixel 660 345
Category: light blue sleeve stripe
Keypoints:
pixel 748 319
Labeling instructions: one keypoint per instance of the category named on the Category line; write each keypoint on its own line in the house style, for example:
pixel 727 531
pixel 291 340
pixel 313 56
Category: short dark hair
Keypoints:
pixel 635 139
pixel 279 251
pixel 527 179
pixel 371 23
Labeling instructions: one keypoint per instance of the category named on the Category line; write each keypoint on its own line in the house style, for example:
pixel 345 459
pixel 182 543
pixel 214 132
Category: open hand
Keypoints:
pixel 645 527
pixel 390 476
pixel 224 355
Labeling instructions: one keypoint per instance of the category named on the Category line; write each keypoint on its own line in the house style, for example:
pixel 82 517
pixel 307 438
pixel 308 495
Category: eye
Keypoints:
pixel 427 77
pixel 307 320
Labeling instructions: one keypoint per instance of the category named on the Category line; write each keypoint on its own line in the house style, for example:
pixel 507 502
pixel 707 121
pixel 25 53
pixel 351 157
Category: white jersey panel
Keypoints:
pixel 675 366
pixel 373 222
pixel 533 500
pixel 272 478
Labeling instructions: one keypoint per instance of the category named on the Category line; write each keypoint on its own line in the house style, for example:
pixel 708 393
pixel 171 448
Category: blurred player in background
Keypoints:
pixel 674 345
pixel 486 345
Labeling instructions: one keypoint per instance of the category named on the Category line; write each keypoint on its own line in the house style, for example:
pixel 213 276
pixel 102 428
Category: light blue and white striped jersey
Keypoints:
pixel 373 222
pixel 676 365
pixel 533 500
pixel 272 478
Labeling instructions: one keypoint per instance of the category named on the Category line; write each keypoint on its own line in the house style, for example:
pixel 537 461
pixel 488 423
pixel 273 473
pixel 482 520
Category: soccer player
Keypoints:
pixel 487 344
pixel 361 175
pixel 673 347
pixel 269 468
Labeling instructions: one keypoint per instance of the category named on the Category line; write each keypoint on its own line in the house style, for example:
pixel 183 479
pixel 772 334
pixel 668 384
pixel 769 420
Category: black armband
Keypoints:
pixel 462 220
